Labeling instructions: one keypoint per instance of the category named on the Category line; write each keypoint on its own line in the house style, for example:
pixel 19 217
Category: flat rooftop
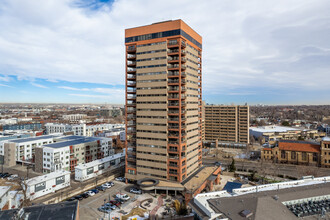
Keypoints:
pixel 273 129
pixel 22 140
pixel 264 201
pixel 64 210
pixel 38 179
pixel 100 161
pixel 194 181
pixel 72 142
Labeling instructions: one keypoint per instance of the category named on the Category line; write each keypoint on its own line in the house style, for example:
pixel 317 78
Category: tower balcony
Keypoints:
pixel 173 74
pixel 173 66
pixel 131 56
pixel 131 70
pixel 131 96
pixel 173 97
pixel 172 51
pixel 131 48
pixel 173 59
pixel 173 81
pixel 131 76
pixel 131 63
pixel 131 103
pixel 173 43
pixel 131 84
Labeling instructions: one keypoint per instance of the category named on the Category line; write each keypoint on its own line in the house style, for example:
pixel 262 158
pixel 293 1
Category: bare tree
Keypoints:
pixel 23 186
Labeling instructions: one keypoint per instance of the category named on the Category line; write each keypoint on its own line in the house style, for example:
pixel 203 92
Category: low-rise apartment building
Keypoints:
pixel 79 129
pixel 22 150
pixel 74 117
pixel 69 151
pixel 227 123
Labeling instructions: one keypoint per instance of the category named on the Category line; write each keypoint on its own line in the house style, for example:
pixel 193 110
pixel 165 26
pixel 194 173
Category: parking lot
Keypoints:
pixel 88 206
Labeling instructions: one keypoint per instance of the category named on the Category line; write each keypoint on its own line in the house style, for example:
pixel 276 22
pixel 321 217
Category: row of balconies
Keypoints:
pixel 176 58
pixel 176 66
pixel 176 96
pixel 176 43
pixel 176 88
pixel 183 52
pixel 176 126
pixel 183 81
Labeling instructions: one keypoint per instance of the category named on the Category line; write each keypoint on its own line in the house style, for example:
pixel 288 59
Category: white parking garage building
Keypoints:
pixel 49 183
pixel 95 168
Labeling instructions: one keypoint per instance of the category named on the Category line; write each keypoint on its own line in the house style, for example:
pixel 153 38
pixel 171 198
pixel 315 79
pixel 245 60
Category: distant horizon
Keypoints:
pixel 67 103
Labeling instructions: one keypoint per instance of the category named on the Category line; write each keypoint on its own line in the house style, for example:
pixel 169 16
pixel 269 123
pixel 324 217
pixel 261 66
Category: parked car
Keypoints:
pixel 110 205
pixel 106 185
pixel 121 179
pixel 135 190
pixel 12 177
pixel 4 175
pixel 79 197
pixel 217 164
pixel 100 188
pixel 71 199
pixel 111 183
pixel 115 202
pixel 90 193
pixel 119 200
pixel 94 191
pixel 85 195
pixel 104 209
pixel 122 196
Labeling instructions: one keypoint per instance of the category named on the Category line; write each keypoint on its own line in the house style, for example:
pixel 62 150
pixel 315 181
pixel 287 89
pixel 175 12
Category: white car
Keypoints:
pixel 90 193
pixel 122 196
pixel 12 177
pixel 106 185
pixel 121 179
pixel 136 191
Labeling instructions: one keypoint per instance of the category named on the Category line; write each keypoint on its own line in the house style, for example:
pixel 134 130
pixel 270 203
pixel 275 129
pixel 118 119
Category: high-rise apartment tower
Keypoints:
pixel 163 101
pixel 227 123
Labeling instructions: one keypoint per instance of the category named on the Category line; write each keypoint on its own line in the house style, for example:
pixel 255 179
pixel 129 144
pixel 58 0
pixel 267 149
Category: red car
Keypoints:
pixel 116 203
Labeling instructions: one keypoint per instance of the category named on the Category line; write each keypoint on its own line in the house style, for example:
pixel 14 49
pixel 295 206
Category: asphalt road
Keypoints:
pixel 272 169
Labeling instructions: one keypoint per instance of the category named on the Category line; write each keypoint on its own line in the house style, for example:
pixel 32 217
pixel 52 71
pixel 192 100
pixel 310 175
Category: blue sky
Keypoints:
pixel 259 52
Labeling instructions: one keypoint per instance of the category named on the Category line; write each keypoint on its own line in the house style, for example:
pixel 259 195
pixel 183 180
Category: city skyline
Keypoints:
pixel 253 52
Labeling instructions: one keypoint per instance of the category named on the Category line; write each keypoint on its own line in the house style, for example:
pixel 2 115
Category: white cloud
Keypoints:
pixel 4 85
pixel 245 43
pixel 5 78
pixel 39 85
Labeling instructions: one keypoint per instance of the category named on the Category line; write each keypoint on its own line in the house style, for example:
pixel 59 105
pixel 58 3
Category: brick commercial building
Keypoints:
pixel 163 101
pixel 299 152
pixel 227 123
